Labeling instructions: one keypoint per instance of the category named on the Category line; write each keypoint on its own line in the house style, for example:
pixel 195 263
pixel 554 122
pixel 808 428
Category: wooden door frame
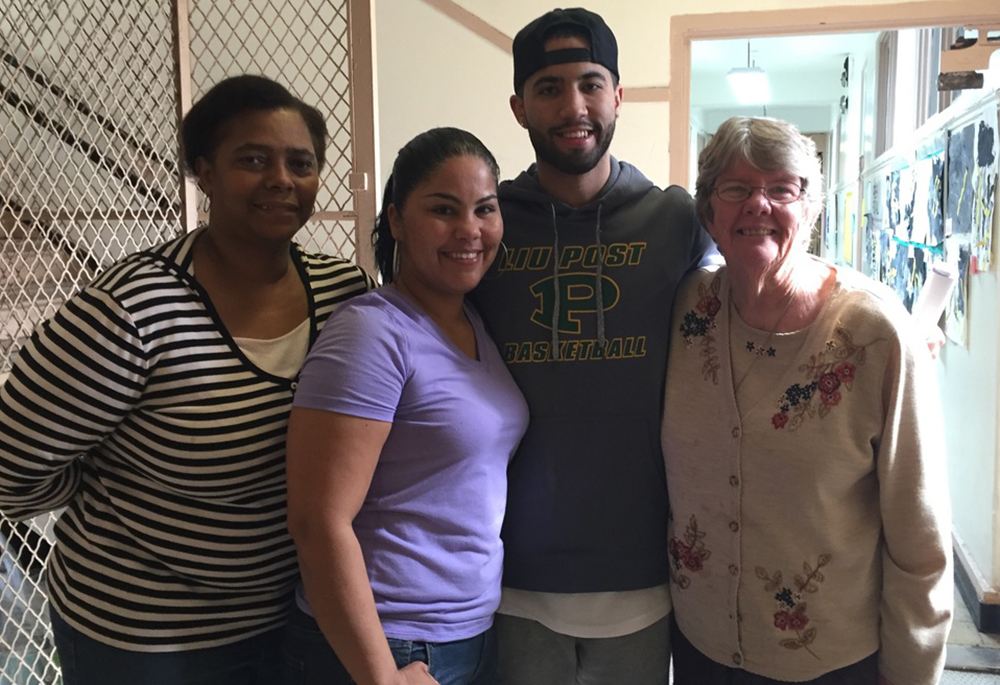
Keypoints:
pixel 364 127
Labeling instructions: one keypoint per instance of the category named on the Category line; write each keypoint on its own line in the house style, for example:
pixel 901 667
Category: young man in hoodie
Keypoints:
pixel 579 306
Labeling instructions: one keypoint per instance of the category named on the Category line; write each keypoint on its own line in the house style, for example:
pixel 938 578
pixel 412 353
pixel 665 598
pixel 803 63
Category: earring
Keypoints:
pixel 506 254
pixel 395 259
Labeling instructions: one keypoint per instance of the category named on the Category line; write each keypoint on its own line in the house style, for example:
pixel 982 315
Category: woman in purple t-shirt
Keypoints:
pixel 404 422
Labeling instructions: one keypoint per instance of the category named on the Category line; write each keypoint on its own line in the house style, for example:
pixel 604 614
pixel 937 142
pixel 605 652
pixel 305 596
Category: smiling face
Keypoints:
pixel 569 111
pixel 757 235
pixel 448 230
pixel 262 178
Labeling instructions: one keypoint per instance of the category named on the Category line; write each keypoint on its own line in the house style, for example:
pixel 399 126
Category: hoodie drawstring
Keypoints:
pixel 598 283
pixel 555 285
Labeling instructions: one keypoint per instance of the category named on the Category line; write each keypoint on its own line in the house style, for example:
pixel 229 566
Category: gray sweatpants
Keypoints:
pixel 531 654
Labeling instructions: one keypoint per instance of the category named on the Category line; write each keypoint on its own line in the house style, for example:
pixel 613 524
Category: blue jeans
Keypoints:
pixel 309 659
pixel 85 661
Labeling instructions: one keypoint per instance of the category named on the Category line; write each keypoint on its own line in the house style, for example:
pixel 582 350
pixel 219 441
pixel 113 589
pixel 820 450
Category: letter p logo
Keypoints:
pixel 577 297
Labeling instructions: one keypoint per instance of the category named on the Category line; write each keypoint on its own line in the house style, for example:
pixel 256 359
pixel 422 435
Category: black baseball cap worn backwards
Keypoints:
pixel 529 43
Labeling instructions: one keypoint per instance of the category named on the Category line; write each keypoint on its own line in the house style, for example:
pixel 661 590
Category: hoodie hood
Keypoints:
pixel 625 184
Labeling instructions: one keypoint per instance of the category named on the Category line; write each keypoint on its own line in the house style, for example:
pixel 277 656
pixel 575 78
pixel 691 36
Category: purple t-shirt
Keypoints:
pixel 429 527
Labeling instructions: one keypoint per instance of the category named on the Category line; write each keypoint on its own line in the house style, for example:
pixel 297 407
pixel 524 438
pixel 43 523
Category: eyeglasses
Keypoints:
pixel 782 193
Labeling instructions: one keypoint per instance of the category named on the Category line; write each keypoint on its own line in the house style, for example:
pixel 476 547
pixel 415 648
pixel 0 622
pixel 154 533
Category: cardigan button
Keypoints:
pixel 737 659
pixel 736 432
pixel 734 569
pixel 734 481
pixel 734 526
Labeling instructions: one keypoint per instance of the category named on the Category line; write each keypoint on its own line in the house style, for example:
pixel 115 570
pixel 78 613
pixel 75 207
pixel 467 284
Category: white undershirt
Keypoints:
pixel 589 614
pixel 281 356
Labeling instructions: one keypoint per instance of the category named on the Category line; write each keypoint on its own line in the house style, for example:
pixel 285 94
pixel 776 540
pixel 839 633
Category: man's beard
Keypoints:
pixel 578 163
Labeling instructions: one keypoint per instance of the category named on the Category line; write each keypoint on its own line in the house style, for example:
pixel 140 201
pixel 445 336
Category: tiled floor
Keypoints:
pixel 967 678
pixel 963 630
pixel 973 657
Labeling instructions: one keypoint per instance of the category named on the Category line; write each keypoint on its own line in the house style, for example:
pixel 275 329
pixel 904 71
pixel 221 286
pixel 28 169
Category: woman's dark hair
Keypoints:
pixel 202 128
pixel 415 162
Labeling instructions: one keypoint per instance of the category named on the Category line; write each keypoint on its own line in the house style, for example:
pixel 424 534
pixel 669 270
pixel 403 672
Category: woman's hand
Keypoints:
pixel 416 673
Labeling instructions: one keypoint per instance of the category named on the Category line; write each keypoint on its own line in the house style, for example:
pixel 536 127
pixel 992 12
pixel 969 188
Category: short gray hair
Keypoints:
pixel 767 144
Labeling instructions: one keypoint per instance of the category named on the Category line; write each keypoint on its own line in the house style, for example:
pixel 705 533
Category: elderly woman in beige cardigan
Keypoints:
pixel 810 537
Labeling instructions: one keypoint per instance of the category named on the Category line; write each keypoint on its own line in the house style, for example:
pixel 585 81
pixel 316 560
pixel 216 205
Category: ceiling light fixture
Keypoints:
pixel 749 84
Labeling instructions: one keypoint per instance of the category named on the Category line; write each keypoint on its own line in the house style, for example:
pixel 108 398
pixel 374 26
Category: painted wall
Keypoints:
pixel 442 75
pixel 810 112
pixel 968 380
pixel 807 117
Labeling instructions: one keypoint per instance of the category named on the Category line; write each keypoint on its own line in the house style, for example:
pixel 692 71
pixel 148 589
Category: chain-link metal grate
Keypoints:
pixel 27 656
pixel 330 237
pixel 89 173
pixel 87 139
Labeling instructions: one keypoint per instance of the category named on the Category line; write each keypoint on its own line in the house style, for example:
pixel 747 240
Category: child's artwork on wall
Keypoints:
pixel 935 198
pixel 986 186
pixel 928 216
pixel 956 322
pixel 870 228
pixel 961 178
pixel 899 273
pixel 935 202
pixel 848 244
pixel 972 179
pixel 887 247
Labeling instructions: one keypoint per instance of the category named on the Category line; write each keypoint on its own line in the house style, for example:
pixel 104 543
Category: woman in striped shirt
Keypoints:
pixel 154 404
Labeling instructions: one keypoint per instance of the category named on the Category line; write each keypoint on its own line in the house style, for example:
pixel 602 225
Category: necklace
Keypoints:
pixel 762 349
pixel 765 348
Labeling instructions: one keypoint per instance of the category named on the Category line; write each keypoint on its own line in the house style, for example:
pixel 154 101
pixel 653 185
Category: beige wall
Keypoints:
pixel 434 72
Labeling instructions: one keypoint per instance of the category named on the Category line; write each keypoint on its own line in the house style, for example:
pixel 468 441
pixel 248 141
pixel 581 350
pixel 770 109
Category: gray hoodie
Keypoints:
pixel 587 498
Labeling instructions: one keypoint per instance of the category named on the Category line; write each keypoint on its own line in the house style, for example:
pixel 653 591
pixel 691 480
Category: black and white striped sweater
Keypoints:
pixel 134 408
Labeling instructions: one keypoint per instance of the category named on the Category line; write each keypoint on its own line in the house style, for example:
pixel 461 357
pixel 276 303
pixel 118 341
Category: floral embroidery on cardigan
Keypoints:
pixel 700 322
pixel 791 609
pixel 828 373
pixel 687 553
